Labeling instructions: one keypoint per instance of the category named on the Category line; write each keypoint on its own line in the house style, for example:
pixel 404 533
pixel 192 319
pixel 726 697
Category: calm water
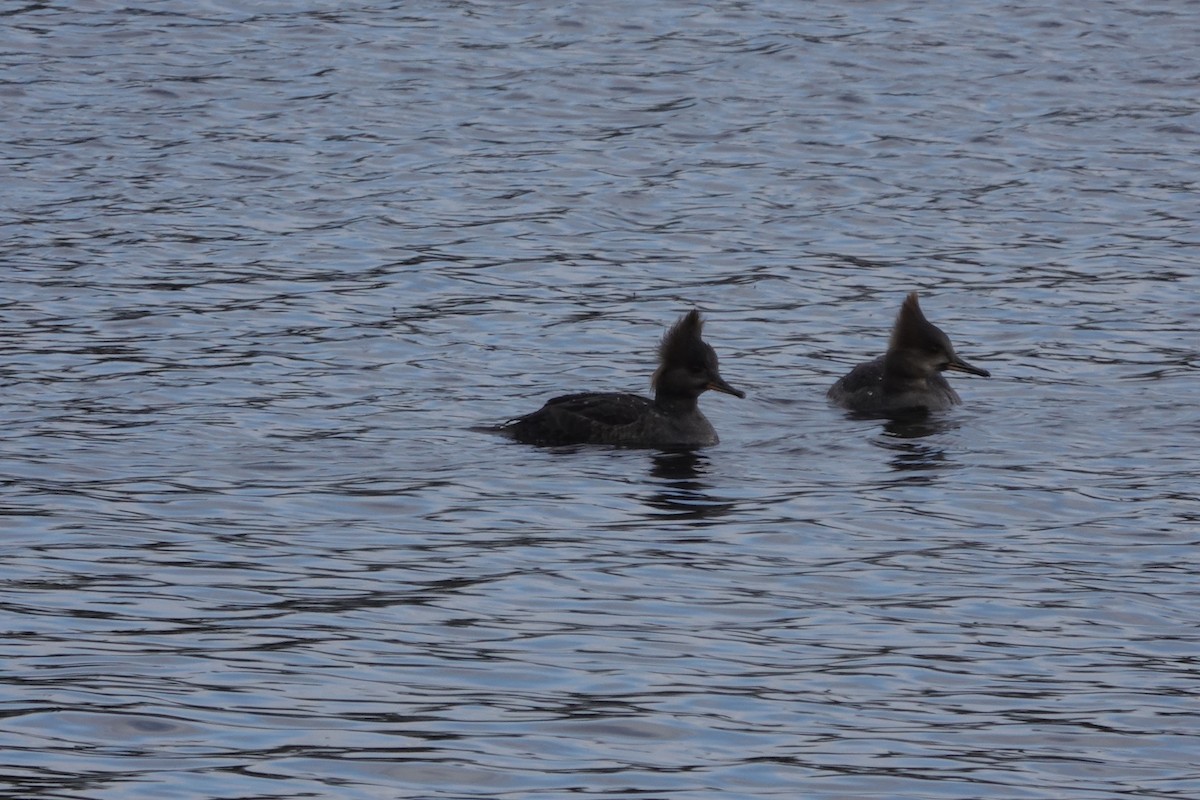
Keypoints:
pixel 266 264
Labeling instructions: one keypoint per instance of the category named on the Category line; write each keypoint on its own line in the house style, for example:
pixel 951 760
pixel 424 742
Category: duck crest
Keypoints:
pixel 911 326
pixel 679 343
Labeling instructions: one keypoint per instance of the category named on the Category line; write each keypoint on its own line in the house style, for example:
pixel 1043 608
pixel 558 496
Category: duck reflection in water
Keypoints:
pixel 904 437
pixel 682 493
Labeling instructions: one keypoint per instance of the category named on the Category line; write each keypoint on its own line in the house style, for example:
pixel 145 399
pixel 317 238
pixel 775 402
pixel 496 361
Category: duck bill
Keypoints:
pixel 718 384
pixel 958 365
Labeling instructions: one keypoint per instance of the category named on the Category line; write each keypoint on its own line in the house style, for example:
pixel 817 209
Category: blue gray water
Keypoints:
pixel 265 265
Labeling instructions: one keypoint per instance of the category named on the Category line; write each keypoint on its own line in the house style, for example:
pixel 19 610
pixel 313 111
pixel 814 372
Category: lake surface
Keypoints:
pixel 266 267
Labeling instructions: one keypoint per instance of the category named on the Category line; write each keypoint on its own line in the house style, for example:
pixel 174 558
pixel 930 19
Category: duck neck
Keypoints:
pixel 899 373
pixel 672 403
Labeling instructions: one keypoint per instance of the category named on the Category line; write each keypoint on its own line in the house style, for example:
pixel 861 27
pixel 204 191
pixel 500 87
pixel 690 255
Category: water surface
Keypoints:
pixel 266 267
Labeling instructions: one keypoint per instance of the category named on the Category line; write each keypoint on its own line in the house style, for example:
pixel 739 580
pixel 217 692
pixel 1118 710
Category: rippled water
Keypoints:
pixel 265 266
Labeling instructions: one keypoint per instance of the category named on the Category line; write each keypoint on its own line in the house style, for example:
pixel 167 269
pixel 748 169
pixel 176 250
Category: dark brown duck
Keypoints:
pixel 687 367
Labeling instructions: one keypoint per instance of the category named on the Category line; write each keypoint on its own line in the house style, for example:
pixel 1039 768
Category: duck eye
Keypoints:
pixel 696 366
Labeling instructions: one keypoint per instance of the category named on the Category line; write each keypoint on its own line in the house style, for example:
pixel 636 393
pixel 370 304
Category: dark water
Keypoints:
pixel 264 265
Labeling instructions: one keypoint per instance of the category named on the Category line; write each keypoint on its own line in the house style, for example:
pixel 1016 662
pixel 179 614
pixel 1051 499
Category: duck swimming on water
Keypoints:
pixel 687 367
pixel 908 377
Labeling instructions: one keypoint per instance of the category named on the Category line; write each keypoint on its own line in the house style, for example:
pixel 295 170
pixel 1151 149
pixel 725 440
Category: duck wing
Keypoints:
pixel 608 409
pixel 859 385
pixel 580 418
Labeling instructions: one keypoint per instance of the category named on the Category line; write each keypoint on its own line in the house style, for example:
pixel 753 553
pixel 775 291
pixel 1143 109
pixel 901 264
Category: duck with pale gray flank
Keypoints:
pixel 908 377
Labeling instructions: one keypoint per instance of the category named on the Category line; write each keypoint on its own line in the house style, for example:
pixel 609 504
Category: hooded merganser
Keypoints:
pixel 687 368
pixel 908 377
